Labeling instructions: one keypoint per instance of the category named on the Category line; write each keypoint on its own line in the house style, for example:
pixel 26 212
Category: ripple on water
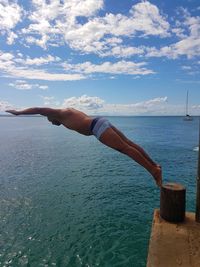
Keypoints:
pixel 68 201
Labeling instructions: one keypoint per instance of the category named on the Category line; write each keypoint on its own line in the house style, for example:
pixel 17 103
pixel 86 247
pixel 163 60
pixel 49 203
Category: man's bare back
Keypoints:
pixel 76 120
pixel 104 131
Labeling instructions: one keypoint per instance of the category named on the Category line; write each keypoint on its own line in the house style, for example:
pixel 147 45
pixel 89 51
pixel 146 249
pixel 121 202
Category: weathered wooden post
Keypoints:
pixel 172 202
pixel 197 215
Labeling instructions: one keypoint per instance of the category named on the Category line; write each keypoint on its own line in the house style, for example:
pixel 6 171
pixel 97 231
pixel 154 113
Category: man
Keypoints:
pixel 100 127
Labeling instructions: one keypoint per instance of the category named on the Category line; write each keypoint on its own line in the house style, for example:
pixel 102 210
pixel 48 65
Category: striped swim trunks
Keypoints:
pixel 99 125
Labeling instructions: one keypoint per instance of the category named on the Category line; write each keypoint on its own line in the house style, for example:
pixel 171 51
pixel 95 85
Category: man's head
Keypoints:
pixel 53 121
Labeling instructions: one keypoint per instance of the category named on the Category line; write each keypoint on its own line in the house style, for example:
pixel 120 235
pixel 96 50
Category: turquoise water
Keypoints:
pixel 67 200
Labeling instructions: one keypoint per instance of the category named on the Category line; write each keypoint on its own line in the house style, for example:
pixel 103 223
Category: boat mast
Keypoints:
pixel 187 104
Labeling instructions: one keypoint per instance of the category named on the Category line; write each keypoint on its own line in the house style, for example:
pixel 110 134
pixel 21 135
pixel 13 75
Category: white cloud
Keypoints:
pixel 69 9
pixel 23 85
pixel 6 60
pixel 39 42
pixel 56 21
pixel 96 105
pixel 156 106
pixel 53 23
pixel 11 37
pixel 18 67
pixel 188 46
pixel 179 32
pixel 37 74
pixel 151 102
pixel 123 51
pixel 43 87
pixel 196 107
pixel 84 102
pixel 10 68
pixel 49 18
pixel 186 67
pixel 10 15
pixel 41 60
pixel 5 105
pixel 120 67
pixel 144 20
pixel 148 107
pixel 50 101
pixel 147 18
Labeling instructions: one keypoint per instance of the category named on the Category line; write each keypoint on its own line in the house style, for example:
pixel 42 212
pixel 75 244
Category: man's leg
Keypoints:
pixel 112 139
pixel 134 145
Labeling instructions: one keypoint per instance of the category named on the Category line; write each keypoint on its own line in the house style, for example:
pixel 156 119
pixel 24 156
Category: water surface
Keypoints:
pixel 67 200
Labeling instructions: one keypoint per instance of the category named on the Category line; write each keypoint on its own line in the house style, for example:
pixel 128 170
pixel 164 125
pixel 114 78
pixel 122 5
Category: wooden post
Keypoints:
pixel 172 202
pixel 197 216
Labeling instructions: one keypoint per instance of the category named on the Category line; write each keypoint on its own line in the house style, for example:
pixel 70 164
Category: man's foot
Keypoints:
pixel 157 174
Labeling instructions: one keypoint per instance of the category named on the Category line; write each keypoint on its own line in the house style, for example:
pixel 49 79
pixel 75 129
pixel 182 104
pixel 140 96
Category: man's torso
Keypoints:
pixel 76 120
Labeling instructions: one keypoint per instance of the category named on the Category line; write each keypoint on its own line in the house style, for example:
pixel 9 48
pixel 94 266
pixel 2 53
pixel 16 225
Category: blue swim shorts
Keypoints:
pixel 99 125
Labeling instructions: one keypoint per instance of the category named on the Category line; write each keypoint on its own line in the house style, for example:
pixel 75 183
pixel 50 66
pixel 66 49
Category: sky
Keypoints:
pixel 104 57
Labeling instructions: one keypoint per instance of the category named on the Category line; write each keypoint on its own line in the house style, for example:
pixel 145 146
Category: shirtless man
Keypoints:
pixel 100 127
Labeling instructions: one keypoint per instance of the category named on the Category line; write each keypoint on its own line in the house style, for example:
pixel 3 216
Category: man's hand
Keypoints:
pixel 12 111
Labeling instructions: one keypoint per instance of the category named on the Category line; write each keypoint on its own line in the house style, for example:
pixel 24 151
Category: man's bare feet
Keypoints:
pixel 157 174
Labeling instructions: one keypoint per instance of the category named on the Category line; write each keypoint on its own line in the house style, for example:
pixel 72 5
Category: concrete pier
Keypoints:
pixel 174 245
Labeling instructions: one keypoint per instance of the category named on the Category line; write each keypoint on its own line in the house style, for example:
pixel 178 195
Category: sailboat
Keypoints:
pixel 187 116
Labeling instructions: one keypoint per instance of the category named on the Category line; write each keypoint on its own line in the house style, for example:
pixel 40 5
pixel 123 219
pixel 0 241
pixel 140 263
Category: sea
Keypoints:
pixel 69 201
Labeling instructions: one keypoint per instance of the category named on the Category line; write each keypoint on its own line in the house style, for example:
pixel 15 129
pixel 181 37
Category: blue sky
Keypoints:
pixel 108 57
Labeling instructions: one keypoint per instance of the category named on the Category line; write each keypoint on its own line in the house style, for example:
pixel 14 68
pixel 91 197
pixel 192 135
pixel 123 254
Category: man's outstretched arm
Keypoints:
pixel 34 111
